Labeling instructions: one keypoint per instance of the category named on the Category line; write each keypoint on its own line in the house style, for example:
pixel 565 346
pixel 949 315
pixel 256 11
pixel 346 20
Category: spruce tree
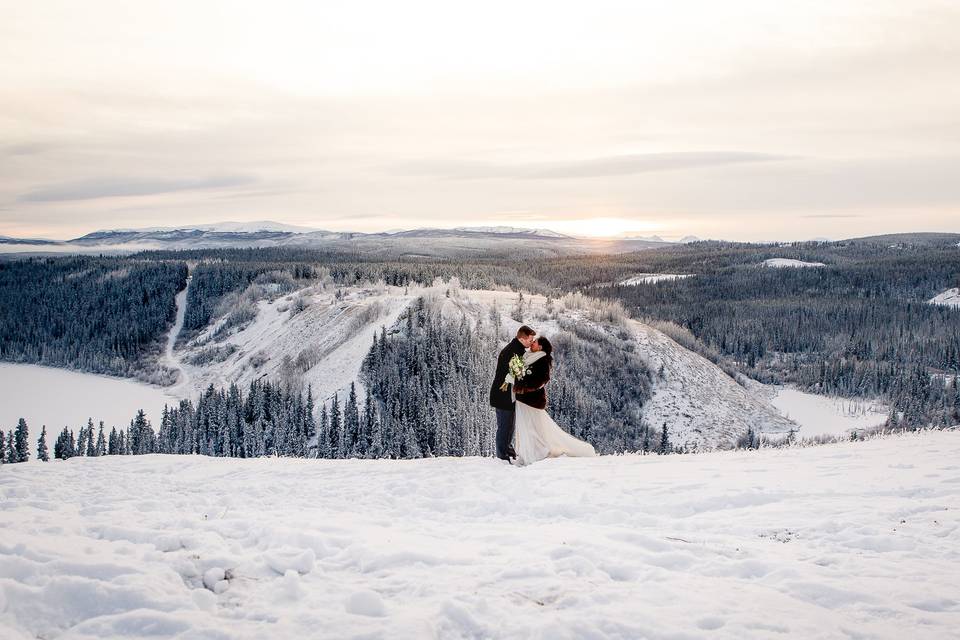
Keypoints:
pixel 336 430
pixel 22 438
pixel 351 424
pixel 80 441
pixel 42 452
pixel 310 425
pixel 664 440
pixel 90 444
pixel 323 435
pixel 101 449
pixel 370 429
pixel 11 448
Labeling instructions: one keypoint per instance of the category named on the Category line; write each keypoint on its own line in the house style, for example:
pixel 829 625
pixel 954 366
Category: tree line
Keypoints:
pixel 97 314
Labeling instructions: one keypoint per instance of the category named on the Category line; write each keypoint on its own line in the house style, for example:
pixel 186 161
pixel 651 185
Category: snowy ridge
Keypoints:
pixel 949 298
pixel 839 541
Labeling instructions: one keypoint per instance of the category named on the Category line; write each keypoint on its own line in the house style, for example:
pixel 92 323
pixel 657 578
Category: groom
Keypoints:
pixel 501 400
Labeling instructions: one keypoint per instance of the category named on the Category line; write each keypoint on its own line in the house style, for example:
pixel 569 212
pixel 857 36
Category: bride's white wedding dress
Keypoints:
pixel 537 436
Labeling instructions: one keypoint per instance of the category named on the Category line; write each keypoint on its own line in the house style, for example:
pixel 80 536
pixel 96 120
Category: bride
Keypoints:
pixel 537 435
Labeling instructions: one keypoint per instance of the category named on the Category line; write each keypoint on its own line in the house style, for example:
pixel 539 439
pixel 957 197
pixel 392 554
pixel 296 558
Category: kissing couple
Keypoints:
pixel 525 432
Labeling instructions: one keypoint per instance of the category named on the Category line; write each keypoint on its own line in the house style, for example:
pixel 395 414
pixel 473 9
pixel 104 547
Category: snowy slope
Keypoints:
pixel 333 334
pixel 949 298
pixel 653 278
pixel 851 540
pixel 702 406
pixel 787 262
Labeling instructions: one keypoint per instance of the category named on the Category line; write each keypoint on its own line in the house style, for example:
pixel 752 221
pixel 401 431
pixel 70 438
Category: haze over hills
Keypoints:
pixel 399 243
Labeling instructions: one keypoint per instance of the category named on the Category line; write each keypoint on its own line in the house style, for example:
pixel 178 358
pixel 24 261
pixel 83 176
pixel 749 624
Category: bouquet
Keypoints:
pixel 516 370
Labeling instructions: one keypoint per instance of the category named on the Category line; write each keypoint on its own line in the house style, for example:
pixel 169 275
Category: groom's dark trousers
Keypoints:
pixel 505 426
pixel 503 402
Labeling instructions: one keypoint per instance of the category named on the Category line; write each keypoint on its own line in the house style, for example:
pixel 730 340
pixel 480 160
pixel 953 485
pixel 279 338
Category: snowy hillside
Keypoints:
pixel 324 346
pixel 949 298
pixel 653 278
pixel 702 406
pixel 852 540
pixel 787 262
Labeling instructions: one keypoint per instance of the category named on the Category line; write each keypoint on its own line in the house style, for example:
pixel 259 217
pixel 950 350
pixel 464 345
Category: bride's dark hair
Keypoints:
pixel 545 345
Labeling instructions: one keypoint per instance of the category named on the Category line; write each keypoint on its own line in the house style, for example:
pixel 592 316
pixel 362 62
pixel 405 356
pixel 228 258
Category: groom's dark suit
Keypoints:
pixel 502 402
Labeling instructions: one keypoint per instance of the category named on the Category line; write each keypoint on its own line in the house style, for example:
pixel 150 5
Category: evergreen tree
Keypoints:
pixel 101 449
pixel 112 443
pixel 11 448
pixel 42 452
pixel 324 444
pixel 351 424
pixel 310 424
pixel 90 444
pixel 22 441
pixel 337 447
pixel 373 444
pixel 58 451
pixel 79 445
pixel 664 440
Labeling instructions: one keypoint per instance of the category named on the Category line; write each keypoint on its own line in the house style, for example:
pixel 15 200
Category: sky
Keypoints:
pixel 743 120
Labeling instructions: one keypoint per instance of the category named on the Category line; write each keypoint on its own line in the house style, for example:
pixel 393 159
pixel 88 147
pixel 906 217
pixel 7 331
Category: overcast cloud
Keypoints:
pixel 742 119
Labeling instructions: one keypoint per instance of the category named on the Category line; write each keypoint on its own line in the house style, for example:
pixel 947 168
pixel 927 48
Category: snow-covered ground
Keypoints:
pixel 60 398
pixel 788 262
pixel 949 298
pixel 653 278
pixel 851 540
pixel 822 415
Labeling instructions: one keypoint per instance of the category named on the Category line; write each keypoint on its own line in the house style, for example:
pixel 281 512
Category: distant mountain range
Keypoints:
pixel 400 243
pixel 492 241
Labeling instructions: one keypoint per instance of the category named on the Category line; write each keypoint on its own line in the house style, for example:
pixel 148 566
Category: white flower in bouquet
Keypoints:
pixel 516 370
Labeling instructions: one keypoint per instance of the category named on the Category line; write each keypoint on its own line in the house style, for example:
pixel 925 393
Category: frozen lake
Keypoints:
pixel 59 398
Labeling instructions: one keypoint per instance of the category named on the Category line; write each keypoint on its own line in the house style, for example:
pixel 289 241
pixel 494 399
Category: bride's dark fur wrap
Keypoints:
pixel 531 390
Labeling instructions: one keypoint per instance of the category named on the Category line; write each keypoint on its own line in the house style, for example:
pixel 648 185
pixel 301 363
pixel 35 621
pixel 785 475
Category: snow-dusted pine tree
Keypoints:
pixel 42 451
pixel 11 448
pixel 101 449
pixel 22 441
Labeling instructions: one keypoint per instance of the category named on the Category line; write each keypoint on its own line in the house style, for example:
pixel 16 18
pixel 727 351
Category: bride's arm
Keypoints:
pixel 535 382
